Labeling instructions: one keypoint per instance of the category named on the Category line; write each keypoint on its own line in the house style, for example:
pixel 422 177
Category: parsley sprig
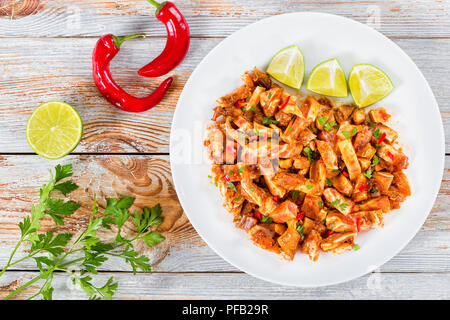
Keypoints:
pixel 57 252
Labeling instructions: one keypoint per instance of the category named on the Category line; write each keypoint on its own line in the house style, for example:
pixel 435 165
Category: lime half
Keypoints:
pixel 288 67
pixel 328 78
pixel 368 84
pixel 54 129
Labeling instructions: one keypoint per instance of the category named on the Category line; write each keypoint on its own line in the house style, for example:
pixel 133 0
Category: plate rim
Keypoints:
pixel 403 243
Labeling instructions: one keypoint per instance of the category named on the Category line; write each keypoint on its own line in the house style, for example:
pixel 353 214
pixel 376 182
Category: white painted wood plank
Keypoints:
pixel 163 286
pixel 54 18
pixel 36 70
pixel 184 250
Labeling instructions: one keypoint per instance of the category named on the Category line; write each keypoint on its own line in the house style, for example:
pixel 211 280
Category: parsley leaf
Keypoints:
pixel 368 173
pixel 267 220
pixel 231 186
pixel 295 194
pixel 377 134
pixel 311 154
pixel 300 229
pixel 268 120
pixel 66 187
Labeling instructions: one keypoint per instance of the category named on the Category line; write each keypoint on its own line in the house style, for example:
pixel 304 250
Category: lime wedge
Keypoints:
pixel 54 129
pixel 328 78
pixel 368 84
pixel 288 67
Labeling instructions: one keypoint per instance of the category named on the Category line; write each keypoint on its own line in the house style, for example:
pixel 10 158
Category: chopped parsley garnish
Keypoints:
pixel 320 204
pixel 238 199
pixel 329 182
pixel 373 190
pixel 290 129
pixel 209 176
pixel 295 194
pixel 238 218
pixel 349 134
pixel 309 187
pixel 326 125
pixel 371 124
pixel 268 120
pixel 231 186
pixel 230 119
pixel 242 109
pixel 241 170
pixel 253 108
pixel 269 96
pixel 377 134
pixel 335 203
pixel 343 206
pixel 356 247
pixel 300 229
pixel 267 220
pixel 375 160
pixel 378 146
pixel 251 189
pixel 257 132
pixel 323 221
pixel 231 172
pixel 216 184
pixel 368 173
pixel 311 154
pixel 337 170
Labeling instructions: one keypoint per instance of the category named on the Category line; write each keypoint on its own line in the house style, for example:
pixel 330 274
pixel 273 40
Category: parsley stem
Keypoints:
pixel 8 264
pixel 26 285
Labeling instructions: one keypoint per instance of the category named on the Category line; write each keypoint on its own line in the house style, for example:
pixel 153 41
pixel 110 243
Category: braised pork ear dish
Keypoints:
pixel 301 172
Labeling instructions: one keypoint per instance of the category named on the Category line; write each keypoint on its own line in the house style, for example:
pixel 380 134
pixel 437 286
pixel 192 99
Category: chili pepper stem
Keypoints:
pixel 157 5
pixel 119 40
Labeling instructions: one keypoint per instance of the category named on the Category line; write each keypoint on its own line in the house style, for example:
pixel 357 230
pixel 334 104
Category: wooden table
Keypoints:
pixel 45 53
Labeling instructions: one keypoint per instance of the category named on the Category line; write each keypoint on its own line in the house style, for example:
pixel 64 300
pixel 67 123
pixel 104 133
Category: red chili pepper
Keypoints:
pixel 257 215
pixel 105 50
pixel 381 138
pixel 238 104
pixel 178 39
pixel 358 222
pixel 276 198
pixel 329 233
pixel 345 174
pixel 284 104
pixel 390 155
pixel 363 187
pixel 226 177
pixel 300 216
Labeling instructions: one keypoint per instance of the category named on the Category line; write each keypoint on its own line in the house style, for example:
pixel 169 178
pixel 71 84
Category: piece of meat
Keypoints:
pixel 342 184
pixel 215 140
pixel 361 189
pixel 362 138
pixel 366 152
pixel 294 128
pixel 318 175
pixel 311 245
pixel 270 100
pixel 261 78
pixel 284 212
pixel 349 158
pixel 391 134
pixel 379 115
pixel 302 164
pixel 380 203
pixel 263 237
pixel 338 242
pixel 383 180
pixel 338 201
pixel 328 155
pixel 275 189
pixel 339 222
pixel 245 222
pixel 402 183
pixel 369 219
pixel 312 207
pixel 254 99
pixel 343 112
pixel 288 241
pixel 393 157
pixel 290 150
pixel 358 116
pixel 283 118
pixel 310 109
pixel 230 99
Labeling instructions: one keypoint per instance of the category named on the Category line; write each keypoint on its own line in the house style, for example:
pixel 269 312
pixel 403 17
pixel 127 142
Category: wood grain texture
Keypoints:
pixel 29 67
pixel 148 179
pixel 242 286
pixel 212 18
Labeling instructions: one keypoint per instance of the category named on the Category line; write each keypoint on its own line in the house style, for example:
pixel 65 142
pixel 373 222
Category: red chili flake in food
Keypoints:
pixel 300 216
pixel 358 222
pixel 329 233
pixel 381 138
pixel 390 155
pixel 284 104
pixel 257 215
pixel 345 174
pixel 276 198
pixel 363 187
pixel 226 177
pixel 238 104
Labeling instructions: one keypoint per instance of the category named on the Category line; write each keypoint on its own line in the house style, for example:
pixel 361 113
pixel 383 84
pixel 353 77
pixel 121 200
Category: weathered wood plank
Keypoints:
pixel 37 70
pixel 212 18
pixel 242 286
pixel 148 179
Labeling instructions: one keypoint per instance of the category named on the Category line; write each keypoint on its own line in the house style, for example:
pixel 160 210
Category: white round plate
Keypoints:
pixel 415 115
